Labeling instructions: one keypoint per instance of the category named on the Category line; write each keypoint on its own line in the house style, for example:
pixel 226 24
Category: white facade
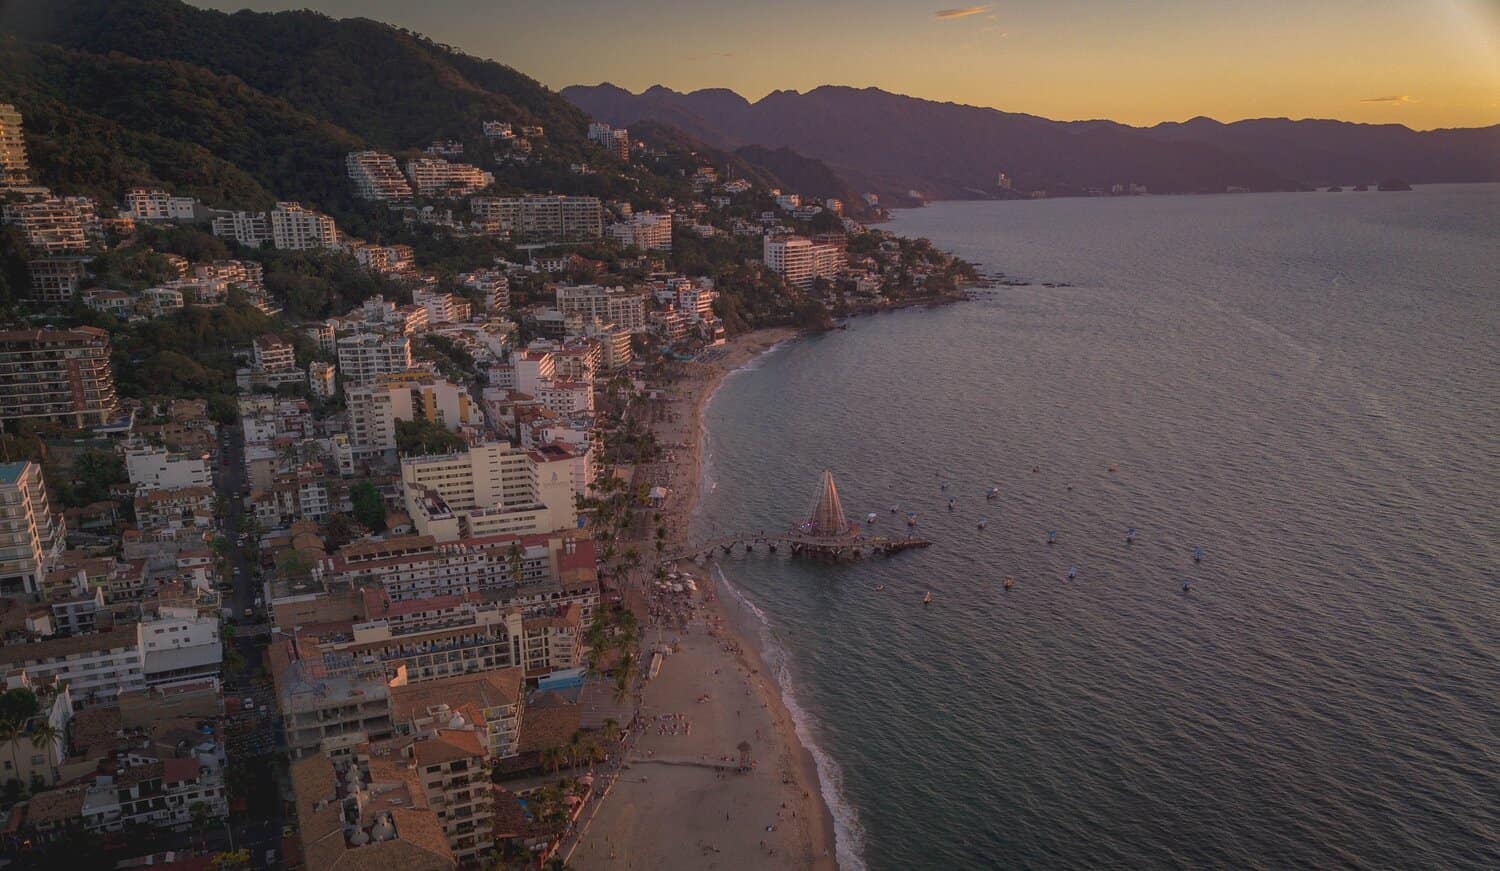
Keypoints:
pixel 542 218
pixel 153 468
pixel 251 229
pixel 800 261
pixel 30 535
pixel 294 228
pixel 159 205
pixel 490 489
pixel 179 646
pixel 433 176
pixel 363 357
pixel 610 305
pixel 376 176
pixel 644 231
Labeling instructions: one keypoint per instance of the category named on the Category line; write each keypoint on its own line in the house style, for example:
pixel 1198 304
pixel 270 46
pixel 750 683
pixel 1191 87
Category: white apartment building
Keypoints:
pixel 374 409
pixel 363 357
pixel 320 379
pixel 295 228
pixel 800 260
pixel 490 489
pixel 179 645
pixel 159 205
pixel 251 229
pixel 376 176
pixel 542 218
pixel 493 286
pixel 644 231
pixel 163 793
pixel 442 308
pixel 97 667
pixel 385 259
pixel 273 354
pixel 13 164
pixel 56 225
pixel 30 534
pixel 154 468
pixel 607 305
pixel 433 176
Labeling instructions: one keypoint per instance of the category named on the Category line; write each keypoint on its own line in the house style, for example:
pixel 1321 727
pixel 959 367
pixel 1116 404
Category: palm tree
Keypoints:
pixel 610 731
pixel 516 563
pixel 553 758
pixel 11 734
pixel 625 675
pixel 44 736
pixel 575 748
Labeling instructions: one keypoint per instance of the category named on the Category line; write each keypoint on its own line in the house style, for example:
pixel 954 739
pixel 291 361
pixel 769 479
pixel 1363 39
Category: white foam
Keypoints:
pixel 848 840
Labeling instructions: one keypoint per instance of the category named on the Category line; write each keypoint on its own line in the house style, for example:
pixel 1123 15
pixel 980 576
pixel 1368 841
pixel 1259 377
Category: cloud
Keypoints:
pixel 965 12
pixel 1399 98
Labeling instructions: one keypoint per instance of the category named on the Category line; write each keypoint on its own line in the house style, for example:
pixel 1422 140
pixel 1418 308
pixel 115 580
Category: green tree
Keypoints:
pixel 369 505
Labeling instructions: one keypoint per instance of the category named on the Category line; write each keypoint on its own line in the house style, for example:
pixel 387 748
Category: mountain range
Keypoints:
pixel 914 148
pixel 244 109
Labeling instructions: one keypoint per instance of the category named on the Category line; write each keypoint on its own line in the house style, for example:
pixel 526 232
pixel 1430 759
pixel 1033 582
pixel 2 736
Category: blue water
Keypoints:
pixel 1306 386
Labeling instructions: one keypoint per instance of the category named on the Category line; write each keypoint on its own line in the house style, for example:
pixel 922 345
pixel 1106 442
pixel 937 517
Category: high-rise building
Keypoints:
pixel 644 231
pixel 56 225
pixel 801 261
pixel 57 375
pixel 375 408
pixel 376 176
pixel 295 228
pixel 13 165
pixel 490 489
pixel 159 205
pixel 542 218
pixel 365 356
pixel 55 280
pixel 433 176
pixel 251 229
pixel 607 305
pixel 30 535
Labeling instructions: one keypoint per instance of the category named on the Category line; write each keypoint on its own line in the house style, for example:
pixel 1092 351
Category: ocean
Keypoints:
pixel 1304 386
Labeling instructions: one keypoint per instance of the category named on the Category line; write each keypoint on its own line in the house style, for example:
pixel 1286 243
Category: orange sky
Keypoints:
pixel 1424 63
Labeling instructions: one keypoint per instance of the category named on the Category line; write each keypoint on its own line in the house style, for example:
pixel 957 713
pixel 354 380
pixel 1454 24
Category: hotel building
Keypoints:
pixel 62 376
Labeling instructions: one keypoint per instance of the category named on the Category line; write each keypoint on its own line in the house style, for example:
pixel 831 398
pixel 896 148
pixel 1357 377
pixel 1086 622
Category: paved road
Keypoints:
pixel 251 735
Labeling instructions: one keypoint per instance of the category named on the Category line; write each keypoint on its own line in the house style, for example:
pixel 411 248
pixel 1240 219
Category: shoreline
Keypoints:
pixel 678 801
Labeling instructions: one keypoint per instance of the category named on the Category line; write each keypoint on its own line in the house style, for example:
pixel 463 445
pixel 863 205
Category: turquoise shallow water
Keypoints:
pixel 1306 386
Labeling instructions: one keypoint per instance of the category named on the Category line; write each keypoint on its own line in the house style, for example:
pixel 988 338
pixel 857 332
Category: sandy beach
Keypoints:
pixel 680 801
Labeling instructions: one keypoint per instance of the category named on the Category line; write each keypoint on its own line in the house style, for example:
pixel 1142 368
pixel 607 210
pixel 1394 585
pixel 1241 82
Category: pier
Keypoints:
pixel 826 536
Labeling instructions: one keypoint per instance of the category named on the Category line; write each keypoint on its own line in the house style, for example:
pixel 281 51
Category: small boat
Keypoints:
pixel 950 503
pixel 1113 468
pixel 870 518
pixel 992 493
pixel 880 588
pixel 893 509
pixel 983 524
pixel 1072 572
pixel 911 519
pixel 1187 585
pixel 1130 535
pixel 1197 554
pixel 1051 536
pixel 1009 582
pixel 945 488
pixel 927 599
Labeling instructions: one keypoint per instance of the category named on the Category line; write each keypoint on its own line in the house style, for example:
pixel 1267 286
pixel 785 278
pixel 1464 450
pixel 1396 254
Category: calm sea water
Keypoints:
pixel 1305 386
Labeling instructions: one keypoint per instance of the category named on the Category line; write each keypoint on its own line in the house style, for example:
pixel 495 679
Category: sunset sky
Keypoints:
pixel 1423 63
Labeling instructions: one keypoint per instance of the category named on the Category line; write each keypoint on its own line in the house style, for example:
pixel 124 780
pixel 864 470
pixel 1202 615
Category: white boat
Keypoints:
pixel 870 518
pixel 927 599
